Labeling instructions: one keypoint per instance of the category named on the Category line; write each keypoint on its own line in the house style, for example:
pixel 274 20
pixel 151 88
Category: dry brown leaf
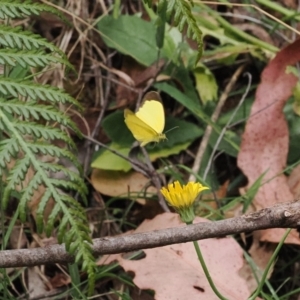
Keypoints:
pixel 59 280
pixel 264 145
pixel 174 272
pixel 290 3
pixel 118 183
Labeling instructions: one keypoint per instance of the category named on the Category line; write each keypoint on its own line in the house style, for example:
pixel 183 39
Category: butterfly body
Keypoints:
pixel 147 124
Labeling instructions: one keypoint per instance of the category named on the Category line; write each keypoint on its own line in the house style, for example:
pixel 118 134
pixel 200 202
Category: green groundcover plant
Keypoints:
pixel 30 121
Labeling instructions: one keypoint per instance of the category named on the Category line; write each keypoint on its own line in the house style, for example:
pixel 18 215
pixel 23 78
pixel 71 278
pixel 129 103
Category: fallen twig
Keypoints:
pixel 284 215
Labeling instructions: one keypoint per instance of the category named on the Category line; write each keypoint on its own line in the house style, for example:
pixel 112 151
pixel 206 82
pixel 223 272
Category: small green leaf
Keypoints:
pixel 206 84
pixel 106 160
pixel 131 36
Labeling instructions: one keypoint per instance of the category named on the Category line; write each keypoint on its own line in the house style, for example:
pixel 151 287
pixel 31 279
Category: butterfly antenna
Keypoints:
pixel 171 129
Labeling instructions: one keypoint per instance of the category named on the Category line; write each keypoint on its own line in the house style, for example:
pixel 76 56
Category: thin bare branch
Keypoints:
pixel 284 215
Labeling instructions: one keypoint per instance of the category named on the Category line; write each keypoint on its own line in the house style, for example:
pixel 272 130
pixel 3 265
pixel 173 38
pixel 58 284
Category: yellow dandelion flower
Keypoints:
pixel 182 198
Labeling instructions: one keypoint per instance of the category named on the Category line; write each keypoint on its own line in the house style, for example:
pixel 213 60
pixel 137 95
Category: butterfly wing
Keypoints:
pixel 141 131
pixel 152 113
pixel 148 123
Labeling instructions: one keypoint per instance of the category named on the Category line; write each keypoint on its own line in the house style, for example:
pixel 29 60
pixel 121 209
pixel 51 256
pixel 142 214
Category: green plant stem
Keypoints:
pixel 116 9
pixel 206 272
pixel 278 8
pixel 245 37
pixel 269 265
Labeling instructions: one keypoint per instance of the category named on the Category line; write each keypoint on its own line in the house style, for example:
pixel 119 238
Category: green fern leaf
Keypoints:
pixel 16 37
pixel 8 149
pixel 35 91
pixel 26 137
pixel 55 168
pixel 36 110
pixel 59 183
pixel 41 131
pixel 16 176
pixel 18 8
pixel 69 238
pixel 62 229
pixel 25 58
pixel 41 208
pixel 73 214
pixel 17 173
pixel 44 148
pixel 183 16
pixel 56 210
pixel 28 191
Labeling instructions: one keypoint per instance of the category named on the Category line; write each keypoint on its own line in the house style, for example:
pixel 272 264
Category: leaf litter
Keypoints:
pixel 174 272
pixel 265 141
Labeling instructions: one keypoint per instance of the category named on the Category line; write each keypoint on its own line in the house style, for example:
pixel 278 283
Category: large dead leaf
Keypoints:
pixel 265 140
pixel 118 183
pixel 174 272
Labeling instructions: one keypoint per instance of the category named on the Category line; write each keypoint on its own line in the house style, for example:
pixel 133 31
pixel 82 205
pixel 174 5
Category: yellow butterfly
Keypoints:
pixel 147 124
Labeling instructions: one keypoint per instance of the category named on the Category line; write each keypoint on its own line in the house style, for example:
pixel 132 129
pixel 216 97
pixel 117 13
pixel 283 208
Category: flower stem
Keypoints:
pixel 206 272
pixel 269 265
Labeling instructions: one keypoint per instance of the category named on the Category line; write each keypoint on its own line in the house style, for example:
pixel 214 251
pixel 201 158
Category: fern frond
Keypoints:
pixel 75 242
pixel 55 168
pixel 41 208
pixel 183 16
pixel 8 148
pixel 35 91
pixel 16 37
pixel 77 239
pixel 56 210
pixel 63 227
pixel 52 150
pixel 27 194
pixel 21 8
pixel 26 58
pixel 41 131
pixel 37 111
pixel 24 135
pixel 60 183
pixel 17 174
